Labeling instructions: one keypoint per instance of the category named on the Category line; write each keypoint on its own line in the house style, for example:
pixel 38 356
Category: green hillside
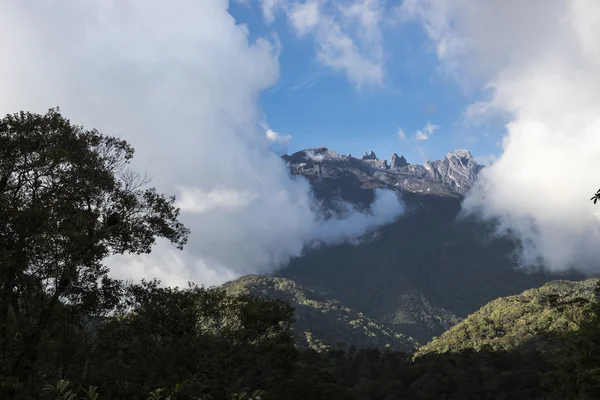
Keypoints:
pixel 514 321
pixel 503 324
pixel 322 323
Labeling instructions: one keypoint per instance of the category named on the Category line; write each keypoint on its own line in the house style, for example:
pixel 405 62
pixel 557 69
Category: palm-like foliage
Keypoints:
pixel 596 197
pixel 60 391
pixel 257 395
pixel 90 393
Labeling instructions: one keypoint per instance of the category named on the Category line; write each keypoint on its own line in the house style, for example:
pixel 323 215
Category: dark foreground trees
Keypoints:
pixel 211 344
pixel 201 341
pixel 67 201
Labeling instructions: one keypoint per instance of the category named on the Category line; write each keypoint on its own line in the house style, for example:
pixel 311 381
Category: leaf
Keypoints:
pixel 69 396
pixel 62 385
pixel 90 393
pixel 156 395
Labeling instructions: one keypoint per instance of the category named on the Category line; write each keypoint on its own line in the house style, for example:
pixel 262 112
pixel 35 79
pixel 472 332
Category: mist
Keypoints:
pixel 180 81
pixel 538 62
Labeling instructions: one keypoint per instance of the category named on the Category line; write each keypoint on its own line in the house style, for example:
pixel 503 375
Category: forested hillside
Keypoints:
pixel 321 323
pixel 518 321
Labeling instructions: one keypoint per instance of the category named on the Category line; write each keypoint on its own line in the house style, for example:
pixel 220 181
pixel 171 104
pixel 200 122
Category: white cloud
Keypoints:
pixel 270 8
pixel 539 61
pixel 279 144
pixel 304 16
pixel 180 81
pixel 401 134
pixel 419 135
pixel 368 15
pixel 196 201
pixel 426 132
pixel 348 37
pixel 356 223
pixel 310 154
pixel 430 128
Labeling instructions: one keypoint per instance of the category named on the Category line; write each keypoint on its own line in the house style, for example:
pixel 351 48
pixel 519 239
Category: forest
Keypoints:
pixel 69 331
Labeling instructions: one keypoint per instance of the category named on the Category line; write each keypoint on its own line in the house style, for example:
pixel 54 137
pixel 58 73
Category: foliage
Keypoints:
pixel 596 197
pixel 519 320
pixel 215 343
pixel 66 203
pixel 321 323
pixel 575 355
pixel 201 342
pixel 60 391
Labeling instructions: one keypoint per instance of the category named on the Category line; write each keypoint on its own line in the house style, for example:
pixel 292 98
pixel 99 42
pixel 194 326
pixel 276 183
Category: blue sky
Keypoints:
pixel 319 106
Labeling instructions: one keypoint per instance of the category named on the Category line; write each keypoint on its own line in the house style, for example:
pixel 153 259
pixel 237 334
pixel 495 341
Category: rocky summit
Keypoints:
pixel 397 162
pixel 453 175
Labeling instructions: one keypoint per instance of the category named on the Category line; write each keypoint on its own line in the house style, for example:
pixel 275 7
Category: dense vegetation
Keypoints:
pixel 322 323
pixel 67 202
pixel 515 321
pixel 210 345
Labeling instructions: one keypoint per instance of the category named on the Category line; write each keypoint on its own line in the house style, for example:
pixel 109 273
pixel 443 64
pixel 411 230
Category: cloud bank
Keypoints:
pixel 180 81
pixel 539 63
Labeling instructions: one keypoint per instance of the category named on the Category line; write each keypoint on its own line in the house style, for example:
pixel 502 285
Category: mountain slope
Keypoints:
pixel 322 323
pixel 424 272
pixel 511 322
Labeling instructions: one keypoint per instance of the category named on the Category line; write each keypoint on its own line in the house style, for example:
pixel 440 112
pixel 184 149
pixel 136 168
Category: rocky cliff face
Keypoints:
pixel 397 162
pixel 451 176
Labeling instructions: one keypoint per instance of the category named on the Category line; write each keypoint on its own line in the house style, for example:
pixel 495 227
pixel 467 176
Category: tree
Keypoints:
pixel 596 197
pixel 575 354
pixel 213 343
pixel 67 202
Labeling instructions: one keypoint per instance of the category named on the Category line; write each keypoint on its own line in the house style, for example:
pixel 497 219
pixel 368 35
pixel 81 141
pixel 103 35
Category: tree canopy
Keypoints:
pixel 67 202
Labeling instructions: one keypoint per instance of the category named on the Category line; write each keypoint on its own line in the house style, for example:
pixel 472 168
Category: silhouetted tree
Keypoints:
pixel 67 201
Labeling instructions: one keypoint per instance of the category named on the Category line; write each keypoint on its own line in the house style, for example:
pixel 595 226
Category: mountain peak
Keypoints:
pixel 397 161
pixel 463 158
pixel 452 175
pixel 317 154
pixel 462 153
pixel 369 156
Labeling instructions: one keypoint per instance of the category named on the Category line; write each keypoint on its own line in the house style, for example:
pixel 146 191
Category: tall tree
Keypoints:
pixel 67 202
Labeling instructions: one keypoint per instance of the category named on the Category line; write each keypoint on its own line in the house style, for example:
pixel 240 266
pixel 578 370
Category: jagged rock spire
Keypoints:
pixel 369 156
pixel 397 161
